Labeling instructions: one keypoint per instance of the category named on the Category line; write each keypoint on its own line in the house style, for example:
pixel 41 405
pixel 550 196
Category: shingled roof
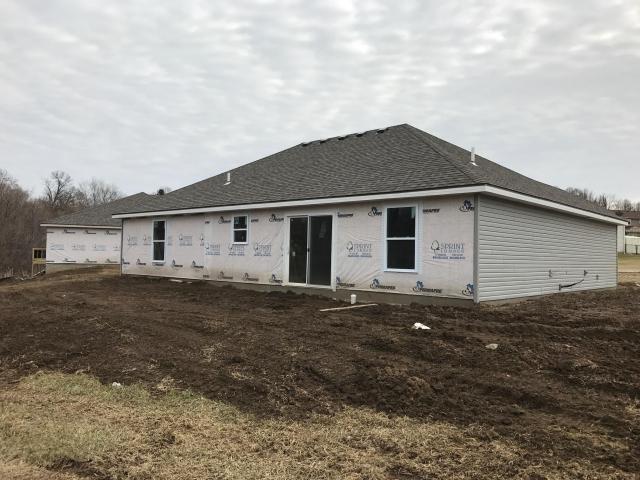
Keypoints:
pixel 100 216
pixel 401 158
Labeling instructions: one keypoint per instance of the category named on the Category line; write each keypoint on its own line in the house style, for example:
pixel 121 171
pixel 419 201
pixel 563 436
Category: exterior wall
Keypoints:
pixel 82 246
pixel 524 251
pixel 444 259
pixel 621 230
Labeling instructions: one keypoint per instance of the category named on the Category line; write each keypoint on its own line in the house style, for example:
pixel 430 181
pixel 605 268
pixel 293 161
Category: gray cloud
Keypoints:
pixel 150 93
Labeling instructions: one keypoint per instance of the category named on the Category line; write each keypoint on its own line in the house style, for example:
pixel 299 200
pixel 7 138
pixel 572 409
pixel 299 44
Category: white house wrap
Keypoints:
pixel 333 215
pixel 87 238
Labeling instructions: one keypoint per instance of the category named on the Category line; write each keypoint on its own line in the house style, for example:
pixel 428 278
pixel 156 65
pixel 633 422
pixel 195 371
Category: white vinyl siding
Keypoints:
pixel 525 251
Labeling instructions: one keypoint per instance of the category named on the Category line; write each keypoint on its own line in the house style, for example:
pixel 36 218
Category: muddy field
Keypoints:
pixel 563 383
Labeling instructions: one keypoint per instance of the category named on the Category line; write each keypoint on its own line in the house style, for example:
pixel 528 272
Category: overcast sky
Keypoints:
pixel 164 92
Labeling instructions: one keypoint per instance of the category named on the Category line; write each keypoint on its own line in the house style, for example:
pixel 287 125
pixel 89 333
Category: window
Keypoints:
pixel 240 229
pixel 401 238
pixel 159 234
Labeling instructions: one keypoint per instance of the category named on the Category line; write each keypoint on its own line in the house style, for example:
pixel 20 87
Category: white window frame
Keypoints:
pixel 414 238
pixel 154 241
pixel 234 230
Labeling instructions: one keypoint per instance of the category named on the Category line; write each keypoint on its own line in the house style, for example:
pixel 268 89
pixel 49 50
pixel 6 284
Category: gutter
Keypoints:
pixel 60 225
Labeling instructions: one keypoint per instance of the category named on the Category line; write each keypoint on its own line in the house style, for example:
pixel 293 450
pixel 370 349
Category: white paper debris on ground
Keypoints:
pixel 350 307
pixel 116 385
pixel 492 346
pixel 420 326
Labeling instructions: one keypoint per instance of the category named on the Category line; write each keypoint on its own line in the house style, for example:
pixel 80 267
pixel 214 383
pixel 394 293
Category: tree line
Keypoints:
pixel 21 213
pixel 606 200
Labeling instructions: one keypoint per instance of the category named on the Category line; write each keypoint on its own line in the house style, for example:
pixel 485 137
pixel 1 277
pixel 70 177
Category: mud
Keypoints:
pixel 566 370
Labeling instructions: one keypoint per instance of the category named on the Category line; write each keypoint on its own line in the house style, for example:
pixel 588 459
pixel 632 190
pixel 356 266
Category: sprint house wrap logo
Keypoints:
pixel 447 250
pixel 375 212
pixel 260 250
pixel 222 276
pixel 468 290
pixel 467 206
pixel 212 249
pixel 275 279
pixel 430 210
pixel 222 220
pixel 248 278
pixel 421 288
pixel 275 218
pixel 341 284
pixel 345 215
pixel 358 250
pixel 377 285
pixel 236 250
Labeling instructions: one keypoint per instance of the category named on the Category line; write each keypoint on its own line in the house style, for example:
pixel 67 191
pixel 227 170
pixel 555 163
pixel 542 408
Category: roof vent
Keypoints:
pixel 473 157
pixel 382 130
pixel 228 178
pixel 342 137
pixel 360 134
pixel 304 144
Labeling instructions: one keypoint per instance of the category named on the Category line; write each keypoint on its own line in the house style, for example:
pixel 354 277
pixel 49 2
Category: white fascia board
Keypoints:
pixel 539 202
pixel 487 189
pixel 94 227
pixel 305 203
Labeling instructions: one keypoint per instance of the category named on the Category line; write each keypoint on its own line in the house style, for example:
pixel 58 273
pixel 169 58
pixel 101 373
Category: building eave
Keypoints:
pixel 483 189
pixel 95 227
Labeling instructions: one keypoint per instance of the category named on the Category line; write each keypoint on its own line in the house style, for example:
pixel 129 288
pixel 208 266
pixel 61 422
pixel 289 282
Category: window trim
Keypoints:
pixel 154 241
pixel 415 238
pixel 234 230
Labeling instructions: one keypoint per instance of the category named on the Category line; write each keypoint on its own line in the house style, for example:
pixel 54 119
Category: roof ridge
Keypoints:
pixel 412 130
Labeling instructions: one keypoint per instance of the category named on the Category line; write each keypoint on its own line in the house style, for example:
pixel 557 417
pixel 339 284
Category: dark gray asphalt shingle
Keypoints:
pixel 396 159
pixel 102 214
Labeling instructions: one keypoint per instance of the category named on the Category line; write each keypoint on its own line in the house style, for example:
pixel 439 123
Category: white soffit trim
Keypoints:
pixel 304 203
pixel 487 189
pixel 80 226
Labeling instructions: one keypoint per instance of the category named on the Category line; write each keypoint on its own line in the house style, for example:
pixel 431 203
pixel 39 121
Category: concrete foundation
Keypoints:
pixel 340 294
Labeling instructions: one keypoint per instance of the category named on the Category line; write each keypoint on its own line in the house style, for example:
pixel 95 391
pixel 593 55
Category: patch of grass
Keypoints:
pixel 74 424
pixel 628 263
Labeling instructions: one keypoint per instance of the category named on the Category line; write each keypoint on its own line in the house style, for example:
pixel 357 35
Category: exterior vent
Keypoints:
pixel 228 178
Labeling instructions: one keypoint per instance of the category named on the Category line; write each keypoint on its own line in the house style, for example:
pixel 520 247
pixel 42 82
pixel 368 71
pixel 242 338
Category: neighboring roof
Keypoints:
pixel 390 160
pixel 626 214
pixel 100 215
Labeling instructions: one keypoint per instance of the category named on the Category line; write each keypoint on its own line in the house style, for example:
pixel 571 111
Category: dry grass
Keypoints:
pixel 629 263
pixel 55 426
pixel 628 268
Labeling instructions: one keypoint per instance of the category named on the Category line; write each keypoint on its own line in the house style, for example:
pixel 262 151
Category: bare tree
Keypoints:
pixel 59 192
pixel 20 218
pixel 96 192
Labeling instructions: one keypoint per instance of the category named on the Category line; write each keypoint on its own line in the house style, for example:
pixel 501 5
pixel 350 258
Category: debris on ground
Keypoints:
pixel 491 346
pixel 420 326
pixel 350 307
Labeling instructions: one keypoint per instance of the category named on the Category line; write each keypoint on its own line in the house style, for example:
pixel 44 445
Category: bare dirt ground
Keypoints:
pixel 562 388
